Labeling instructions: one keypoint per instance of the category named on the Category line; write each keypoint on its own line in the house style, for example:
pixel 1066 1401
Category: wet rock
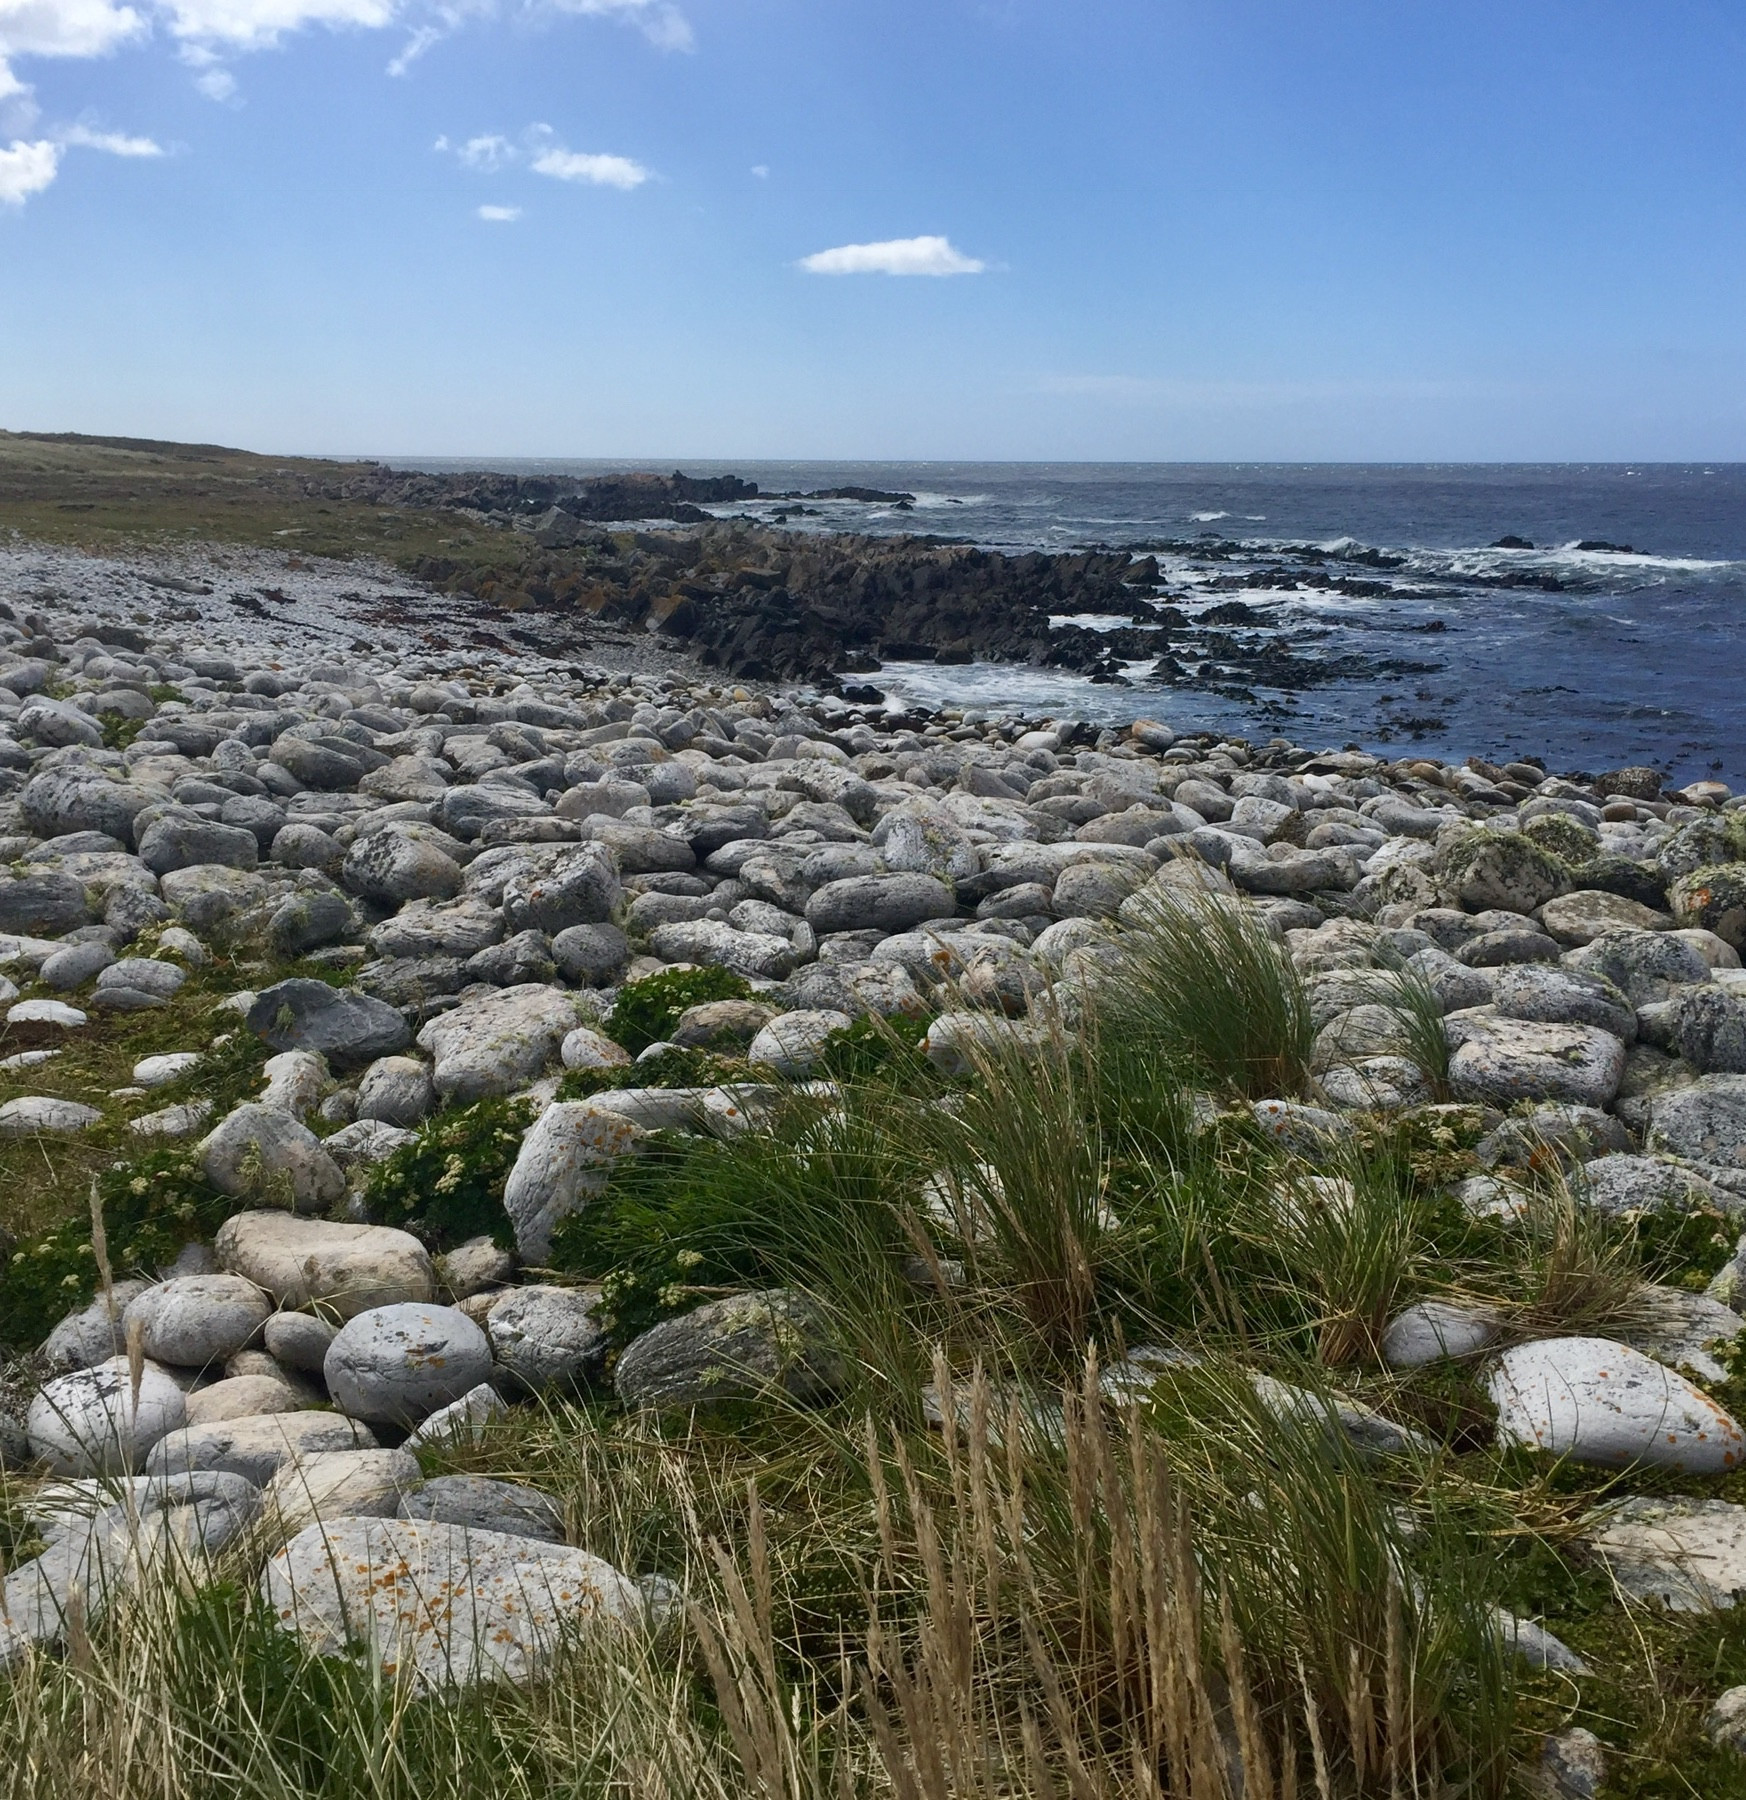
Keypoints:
pixel 732 1349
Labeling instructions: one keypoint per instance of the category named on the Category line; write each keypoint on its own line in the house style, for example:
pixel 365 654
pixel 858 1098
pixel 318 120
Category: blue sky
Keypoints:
pixel 1120 229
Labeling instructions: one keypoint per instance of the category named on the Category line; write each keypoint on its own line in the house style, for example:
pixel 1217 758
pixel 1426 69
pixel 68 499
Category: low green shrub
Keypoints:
pixel 672 1069
pixel 152 1206
pixel 446 1186
pixel 647 1010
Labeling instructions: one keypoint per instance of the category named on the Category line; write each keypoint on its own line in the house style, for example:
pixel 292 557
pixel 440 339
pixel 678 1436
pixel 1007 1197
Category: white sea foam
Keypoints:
pixel 1206 518
pixel 1094 621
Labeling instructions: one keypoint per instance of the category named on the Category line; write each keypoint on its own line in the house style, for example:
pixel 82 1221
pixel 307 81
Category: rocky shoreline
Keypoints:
pixel 435 871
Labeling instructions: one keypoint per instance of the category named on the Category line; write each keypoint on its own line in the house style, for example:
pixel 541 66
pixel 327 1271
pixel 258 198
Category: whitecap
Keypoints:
pixel 1206 518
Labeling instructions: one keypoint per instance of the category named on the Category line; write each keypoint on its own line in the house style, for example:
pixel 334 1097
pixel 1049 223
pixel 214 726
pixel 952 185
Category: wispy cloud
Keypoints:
pixel 500 215
pixel 662 23
pixel 26 169
pixel 114 143
pixel 488 152
pixel 895 256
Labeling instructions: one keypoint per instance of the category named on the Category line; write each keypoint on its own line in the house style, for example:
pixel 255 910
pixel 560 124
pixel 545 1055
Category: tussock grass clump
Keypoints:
pixel 1200 985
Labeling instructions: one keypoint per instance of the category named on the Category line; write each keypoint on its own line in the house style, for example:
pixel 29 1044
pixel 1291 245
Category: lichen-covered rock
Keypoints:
pixel 1484 869
pixel 494 1045
pixel 1506 1060
pixel 440 1604
pixel 1702 1123
pixel 737 1348
pixel 1645 966
pixel 262 1153
pixel 1685 1554
pixel 91 1333
pixel 1602 1402
pixel 1713 899
pixel 395 1365
pixel 397 1090
pixel 564 1160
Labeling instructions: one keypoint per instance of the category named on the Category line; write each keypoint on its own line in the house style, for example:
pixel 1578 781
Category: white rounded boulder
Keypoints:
pixel 396 1365
pixel 1602 1402
pixel 92 1423
pixel 194 1320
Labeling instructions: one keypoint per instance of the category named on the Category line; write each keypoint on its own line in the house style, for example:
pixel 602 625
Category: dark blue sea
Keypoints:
pixel 1612 630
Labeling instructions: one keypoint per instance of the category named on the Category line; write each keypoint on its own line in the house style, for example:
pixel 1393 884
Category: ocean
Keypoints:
pixel 1592 615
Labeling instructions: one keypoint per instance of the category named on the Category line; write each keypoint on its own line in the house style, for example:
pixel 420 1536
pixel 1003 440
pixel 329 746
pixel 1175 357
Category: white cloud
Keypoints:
pixel 592 167
pixel 26 169
pixel 500 215
pixel 216 84
pixel 115 143
pixel 662 23
pixel 896 256
pixel 761 170
pixel 259 24
pixel 60 28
